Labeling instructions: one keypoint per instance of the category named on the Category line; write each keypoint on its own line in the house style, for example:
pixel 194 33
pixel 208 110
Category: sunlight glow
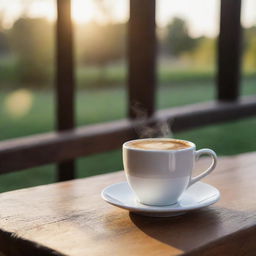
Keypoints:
pixel 83 11
pixel 99 10
pixel 18 103
pixel 42 9
pixel 202 15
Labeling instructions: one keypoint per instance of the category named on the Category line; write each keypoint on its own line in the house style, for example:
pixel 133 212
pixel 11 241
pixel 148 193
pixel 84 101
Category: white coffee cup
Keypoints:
pixel 159 177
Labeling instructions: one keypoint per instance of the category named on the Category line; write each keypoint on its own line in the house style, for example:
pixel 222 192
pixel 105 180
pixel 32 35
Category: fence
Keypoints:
pixel 69 142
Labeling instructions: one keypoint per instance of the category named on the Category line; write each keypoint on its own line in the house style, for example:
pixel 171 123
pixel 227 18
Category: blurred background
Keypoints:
pixel 187 32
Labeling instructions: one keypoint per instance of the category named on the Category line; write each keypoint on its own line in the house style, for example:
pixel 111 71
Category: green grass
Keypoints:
pixel 112 75
pixel 102 105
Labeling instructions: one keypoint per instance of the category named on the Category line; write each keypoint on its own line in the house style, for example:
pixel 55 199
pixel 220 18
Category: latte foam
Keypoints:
pixel 168 144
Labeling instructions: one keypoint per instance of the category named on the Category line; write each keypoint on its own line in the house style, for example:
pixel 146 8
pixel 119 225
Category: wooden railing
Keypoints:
pixel 68 142
pixel 65 84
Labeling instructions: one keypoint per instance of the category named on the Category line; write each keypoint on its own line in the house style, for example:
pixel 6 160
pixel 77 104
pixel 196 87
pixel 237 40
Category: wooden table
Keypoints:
pixel 70 218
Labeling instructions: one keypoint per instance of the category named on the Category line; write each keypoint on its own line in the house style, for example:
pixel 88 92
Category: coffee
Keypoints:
pixel 157 173
pixel 159 144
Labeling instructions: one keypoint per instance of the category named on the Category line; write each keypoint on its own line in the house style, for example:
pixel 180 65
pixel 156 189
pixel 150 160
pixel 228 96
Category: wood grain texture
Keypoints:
pixel 70 218
pixel 18 154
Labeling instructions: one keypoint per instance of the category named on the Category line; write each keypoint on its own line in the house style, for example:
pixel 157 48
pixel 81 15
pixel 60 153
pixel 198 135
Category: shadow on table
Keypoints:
pixel 187 231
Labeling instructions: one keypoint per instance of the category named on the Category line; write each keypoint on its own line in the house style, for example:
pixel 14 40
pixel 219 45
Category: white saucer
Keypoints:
pixel 195 197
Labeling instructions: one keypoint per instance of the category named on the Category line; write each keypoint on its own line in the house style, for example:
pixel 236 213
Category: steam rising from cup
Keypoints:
pixel 151 129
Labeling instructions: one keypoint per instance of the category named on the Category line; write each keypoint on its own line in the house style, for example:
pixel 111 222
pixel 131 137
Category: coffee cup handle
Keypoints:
pixel 198 153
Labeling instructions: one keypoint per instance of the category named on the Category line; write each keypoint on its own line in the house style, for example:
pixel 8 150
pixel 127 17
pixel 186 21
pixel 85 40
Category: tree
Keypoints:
pixel 3 43
pixel 177 38
pixel 100 44
pixel 32 42
pixel 3 39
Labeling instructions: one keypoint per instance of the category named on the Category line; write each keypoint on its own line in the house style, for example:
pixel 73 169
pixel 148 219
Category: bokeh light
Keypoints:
pixel 18 103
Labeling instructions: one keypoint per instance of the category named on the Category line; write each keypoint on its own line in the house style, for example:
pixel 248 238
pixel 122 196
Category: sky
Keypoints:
pixel 202 15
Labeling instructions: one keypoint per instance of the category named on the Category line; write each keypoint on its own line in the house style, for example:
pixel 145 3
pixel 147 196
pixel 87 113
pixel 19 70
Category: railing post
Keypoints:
pixel 141 58
pixel 65 80
pixel 229 51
